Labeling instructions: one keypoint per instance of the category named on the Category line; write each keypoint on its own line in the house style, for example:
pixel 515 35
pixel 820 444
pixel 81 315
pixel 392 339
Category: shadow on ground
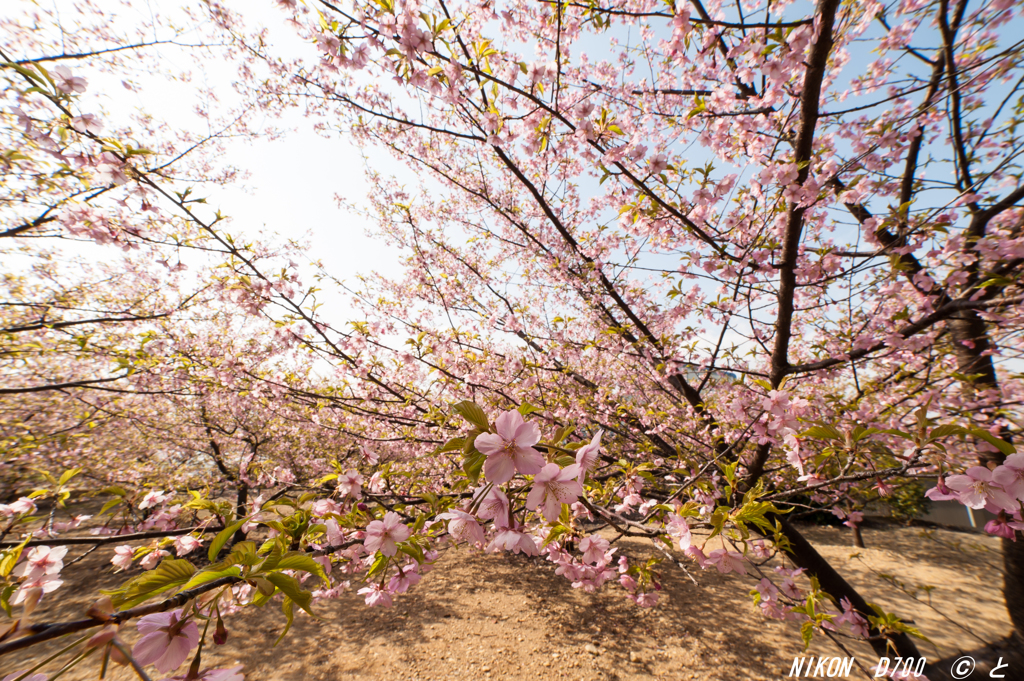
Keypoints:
pixel 502 616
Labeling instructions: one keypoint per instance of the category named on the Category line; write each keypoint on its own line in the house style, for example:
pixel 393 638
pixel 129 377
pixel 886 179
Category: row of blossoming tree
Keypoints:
pixel 673 271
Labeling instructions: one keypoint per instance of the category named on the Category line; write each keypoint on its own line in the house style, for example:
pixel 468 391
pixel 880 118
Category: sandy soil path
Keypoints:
pixel 507 617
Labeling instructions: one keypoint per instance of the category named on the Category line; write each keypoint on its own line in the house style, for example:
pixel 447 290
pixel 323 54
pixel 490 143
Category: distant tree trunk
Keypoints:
pixel 242 500
pixel 858 540
pixel 972 349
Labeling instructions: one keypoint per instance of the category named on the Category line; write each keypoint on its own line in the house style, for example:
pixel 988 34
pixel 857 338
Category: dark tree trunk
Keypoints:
pixel 243 499
pixel 1013 586
pixel 971 347
pixel 804 555
pixel 858 540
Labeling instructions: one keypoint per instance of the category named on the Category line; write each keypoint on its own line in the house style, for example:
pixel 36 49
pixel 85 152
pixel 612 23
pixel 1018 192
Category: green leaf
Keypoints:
pixel 473 465
pixel 289 615
pixel 272 560
pixel 823 433
pixel 289 586
pixel 67 475
pixel 453 445
pixel 946 431
pixel 379 565
pixel 472 412
pixel 526 409
pixel 556 532
pixel 296 560
pixel 210 574
pixel 265 588
pixel 109 505
pixel 1005 447
pixel 562 433
pixel 23 71
pixel 222 538
pixel 169 574
pixel 413 551
pixel 243 553
pixel 807 632
pixel 9 557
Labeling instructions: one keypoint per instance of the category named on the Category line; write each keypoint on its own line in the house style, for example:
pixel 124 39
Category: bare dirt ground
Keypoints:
pixel 508 617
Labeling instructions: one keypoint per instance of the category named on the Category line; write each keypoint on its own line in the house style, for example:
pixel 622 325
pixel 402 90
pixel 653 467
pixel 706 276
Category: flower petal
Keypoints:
pixel 507 424
pixel 488 443
pixel 499 468
pixel 176 653
pixel 528 461
pixel 527 435
pixel 151 647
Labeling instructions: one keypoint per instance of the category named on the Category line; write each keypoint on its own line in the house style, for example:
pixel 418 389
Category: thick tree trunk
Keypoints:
pixel 971 347
pixel 806 556
pixel 1013 588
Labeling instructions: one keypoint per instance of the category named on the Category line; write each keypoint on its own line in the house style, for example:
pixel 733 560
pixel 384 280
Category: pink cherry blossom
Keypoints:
pixel 89 123
pixel 1010 476
pixel 186 544
pixel 790 589
pixel 48 584
pixel 647 599
pixel 552 487
pixel 153 498
pixel 383 535
pixel 511 449
pixel 658 164
pixel 166 640
pixel 941 492
pixel 406 578
pixel 335 537
pixel 376 596
pixel 71 524
pixel 494 505
pixel 377 483
pixel 369 456
pixel 514 540
pixel 589 454
pixel 22 505
pixel 858 625
pixel 325 563
pixel 152 559
pixel 768 591
pixel 123 557
pixel 42 560
pixel 322 507
pixel 463 527
pixel 1000 528
pixel 350 484
pixel 66 82
pixel 694 552
pixel 594 548
pixel 976 488
pixel 679 530
pixel 727 561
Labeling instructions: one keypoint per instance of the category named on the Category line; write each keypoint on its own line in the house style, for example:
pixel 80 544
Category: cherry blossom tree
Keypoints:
pixel 674 270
